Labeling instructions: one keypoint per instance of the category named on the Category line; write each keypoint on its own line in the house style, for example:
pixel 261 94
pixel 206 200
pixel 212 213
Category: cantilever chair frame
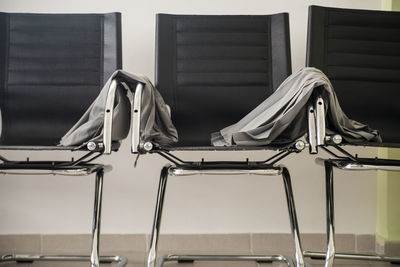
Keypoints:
pixel 317 56
pixel 180 167
pixel 343 161
pixel 79 167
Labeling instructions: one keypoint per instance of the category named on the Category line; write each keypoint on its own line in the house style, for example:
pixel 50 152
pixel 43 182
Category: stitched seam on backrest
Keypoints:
pixel 175 66
pixel 269 43
pixel 7 47
pixel 101 72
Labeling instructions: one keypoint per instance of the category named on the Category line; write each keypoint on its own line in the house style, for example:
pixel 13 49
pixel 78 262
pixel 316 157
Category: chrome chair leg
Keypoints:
pixel 152 260
pixel 293 218
pixel 330 218
pixel 330 255
pixel 94 255
pixel 152 253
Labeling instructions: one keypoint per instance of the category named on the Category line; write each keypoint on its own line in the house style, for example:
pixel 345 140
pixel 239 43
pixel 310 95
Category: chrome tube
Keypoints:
pixel 330 218
pixel 312 131
pixel 136 113
pixel 94 256
pixel 320 121
pixel 257 258
pixel 293 218
pixel 66 172
pixel 108 117
pixel 32 168
pixel 180 171
pixel 353 256
pixel 331 254
pixel 365 167
pixel 152 260
pixel 351 165
pixel 120 260
pixel 152 253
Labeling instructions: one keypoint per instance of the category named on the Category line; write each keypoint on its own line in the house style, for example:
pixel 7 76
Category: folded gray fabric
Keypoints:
pixel 155 121
pixel 282 117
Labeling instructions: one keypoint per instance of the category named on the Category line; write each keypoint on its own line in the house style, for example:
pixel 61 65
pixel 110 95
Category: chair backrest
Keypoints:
pixel 52 66
pixel 213 70
pixel 359 50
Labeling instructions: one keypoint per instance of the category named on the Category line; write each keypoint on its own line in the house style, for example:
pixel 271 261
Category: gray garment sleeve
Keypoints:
pixel 282 116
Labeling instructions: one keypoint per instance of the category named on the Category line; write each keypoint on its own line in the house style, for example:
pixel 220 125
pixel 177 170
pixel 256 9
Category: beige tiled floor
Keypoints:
pixel 140 263
pixel 134 248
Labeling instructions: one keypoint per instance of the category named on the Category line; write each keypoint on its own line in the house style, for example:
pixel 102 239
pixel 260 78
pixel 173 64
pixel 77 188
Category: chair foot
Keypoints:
pixel 193 258
pixel 185 261
pixel 29 258
pixel 22 262
pixel 353 256
pixel 264 261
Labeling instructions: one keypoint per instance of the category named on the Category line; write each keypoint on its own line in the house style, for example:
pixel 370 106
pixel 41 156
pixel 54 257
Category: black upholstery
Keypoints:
pixel 213 70
pixel 52 67
pixel 359 51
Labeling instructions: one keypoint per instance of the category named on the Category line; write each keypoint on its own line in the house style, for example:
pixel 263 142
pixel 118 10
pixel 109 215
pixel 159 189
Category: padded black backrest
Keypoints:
pixel 52 66
pixel 213 70
pixel 359 51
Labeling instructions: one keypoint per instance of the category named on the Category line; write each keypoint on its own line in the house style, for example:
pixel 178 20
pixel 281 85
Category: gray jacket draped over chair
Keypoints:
pixel 282 117
pixel 156 125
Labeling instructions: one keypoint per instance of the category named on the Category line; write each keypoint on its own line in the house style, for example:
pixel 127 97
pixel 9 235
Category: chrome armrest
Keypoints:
pixel 320 120
pixel 136 113
pixel 312 131
pixel 108 117
pixel 316 124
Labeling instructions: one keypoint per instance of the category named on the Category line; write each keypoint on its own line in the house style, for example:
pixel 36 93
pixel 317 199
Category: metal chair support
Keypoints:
pixel 229 168
pixel 347 164
pixel 347 83
pixel 77 170
pixel 98 194
pixel 317 139
pixel 192 258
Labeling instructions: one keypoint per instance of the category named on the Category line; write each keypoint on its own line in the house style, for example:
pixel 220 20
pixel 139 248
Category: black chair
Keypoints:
pixel 213 70
pixel 359 51
pixel 52 68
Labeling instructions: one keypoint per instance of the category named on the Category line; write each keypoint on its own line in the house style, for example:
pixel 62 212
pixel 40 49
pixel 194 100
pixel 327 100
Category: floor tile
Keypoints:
pixel 19 244
pixel 196 264
pixel 219 243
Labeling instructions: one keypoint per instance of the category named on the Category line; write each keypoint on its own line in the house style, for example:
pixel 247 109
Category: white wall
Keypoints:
pixel 204 204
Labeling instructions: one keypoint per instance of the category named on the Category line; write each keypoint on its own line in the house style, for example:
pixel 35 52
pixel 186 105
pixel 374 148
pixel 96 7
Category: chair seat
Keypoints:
pixel 71 148
pixel 115 147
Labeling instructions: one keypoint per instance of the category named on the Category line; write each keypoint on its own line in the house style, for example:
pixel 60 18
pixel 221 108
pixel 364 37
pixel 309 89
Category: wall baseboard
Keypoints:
pixel 134 246
pixel 388 248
